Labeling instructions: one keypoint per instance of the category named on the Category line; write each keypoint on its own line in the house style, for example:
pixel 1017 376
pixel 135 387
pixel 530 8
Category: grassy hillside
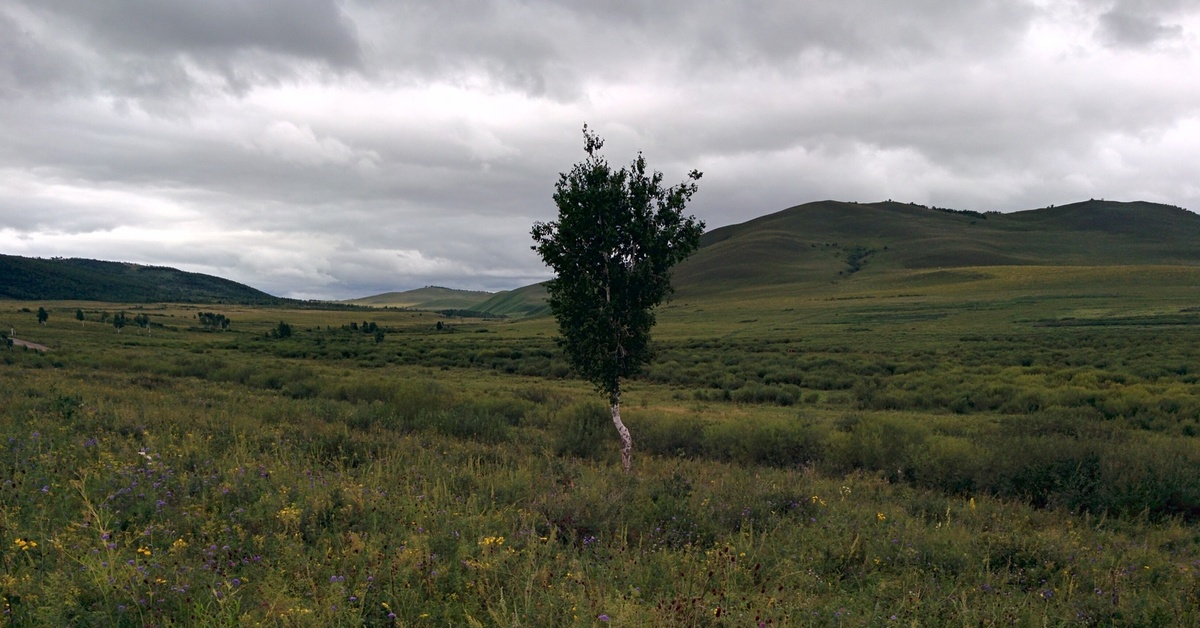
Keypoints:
pixel 427 298
pixel 93 280
pixel 527 301
pixel 830 241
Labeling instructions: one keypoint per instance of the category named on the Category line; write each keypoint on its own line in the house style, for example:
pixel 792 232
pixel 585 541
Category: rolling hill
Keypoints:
pixel 56 279
pixel 427 298
pixel 526 301
pixel 828 242
pixel 819 243
pixel 833 241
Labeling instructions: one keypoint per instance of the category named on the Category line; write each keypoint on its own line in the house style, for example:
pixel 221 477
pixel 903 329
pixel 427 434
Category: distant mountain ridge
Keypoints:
pixel 818 242
pixel 76 279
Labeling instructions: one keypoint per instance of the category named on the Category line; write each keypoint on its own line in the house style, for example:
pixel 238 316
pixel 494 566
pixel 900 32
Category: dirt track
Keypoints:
pixel 32 345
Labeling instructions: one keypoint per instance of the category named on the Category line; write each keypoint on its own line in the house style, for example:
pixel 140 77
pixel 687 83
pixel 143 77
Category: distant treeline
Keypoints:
pixel 469 314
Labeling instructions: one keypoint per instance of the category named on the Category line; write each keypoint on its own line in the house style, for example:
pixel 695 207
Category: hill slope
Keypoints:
pixel 427 298
pixel 833 241
pixel 526 301
pixel 93 280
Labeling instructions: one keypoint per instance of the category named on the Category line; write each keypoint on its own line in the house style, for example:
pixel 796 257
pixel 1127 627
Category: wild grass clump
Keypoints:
pixel 584 430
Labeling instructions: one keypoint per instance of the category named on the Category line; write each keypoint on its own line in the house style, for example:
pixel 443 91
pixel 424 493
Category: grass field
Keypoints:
pixel 984 446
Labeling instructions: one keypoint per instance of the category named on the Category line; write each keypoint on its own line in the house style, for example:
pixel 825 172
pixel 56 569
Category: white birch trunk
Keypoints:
pixel 626 438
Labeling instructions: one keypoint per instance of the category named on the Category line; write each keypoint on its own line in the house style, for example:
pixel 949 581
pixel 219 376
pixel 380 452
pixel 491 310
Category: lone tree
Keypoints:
pixel 42 315
pixel 618 234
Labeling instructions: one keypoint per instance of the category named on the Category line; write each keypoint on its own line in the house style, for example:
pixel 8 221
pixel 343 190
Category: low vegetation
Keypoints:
pixel 1002 451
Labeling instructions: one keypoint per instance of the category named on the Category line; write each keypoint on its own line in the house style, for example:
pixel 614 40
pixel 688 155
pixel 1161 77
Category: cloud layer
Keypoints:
pixel 330 149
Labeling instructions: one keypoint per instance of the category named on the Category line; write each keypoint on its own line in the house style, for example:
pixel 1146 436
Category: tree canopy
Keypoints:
pixel 618 233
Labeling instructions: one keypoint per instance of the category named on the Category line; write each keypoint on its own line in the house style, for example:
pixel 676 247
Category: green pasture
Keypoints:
pixel 986 446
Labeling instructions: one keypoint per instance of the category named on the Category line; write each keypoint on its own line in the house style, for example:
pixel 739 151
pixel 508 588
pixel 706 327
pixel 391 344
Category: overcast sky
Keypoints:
pixel 335 149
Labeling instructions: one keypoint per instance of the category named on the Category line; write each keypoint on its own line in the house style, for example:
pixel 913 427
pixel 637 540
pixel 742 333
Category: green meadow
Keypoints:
pixel 1009 445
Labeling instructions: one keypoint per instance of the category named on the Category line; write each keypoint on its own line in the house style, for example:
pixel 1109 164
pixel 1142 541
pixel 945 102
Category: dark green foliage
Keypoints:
pixel 280 331
pixel 93 280
pixel 583 429
pixel 857 256
pixel 213 321
pixel 618 234
pixel 42 315
pixel 468 314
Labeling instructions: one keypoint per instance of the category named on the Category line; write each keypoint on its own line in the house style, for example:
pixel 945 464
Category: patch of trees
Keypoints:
pixel 366 327
pixel 213 321
pixel 468 314
pixel 963 212
pixel 143 321
pixel 857 256
pixel 280 331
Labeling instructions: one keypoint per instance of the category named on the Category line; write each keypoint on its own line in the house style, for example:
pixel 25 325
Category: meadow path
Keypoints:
pixel 32 345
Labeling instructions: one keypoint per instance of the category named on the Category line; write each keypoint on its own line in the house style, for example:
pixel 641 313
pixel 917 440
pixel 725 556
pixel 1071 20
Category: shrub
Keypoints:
pixel 583 430
pixel 669 435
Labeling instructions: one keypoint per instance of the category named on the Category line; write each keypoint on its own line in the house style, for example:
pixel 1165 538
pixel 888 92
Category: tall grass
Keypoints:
pixel 1027 476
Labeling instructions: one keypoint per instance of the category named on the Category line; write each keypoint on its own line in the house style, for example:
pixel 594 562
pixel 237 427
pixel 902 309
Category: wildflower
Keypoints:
pixel 603 617
pixel 145 551
pixel 24 544
pixel 880 516
pixel 971 504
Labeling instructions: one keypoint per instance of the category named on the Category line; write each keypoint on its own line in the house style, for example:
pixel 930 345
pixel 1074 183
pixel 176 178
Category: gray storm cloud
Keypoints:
pixel 331 149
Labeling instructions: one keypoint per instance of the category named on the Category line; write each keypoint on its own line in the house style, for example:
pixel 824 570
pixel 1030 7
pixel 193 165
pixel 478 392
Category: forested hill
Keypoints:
pixel 61 279
pixel 833 241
